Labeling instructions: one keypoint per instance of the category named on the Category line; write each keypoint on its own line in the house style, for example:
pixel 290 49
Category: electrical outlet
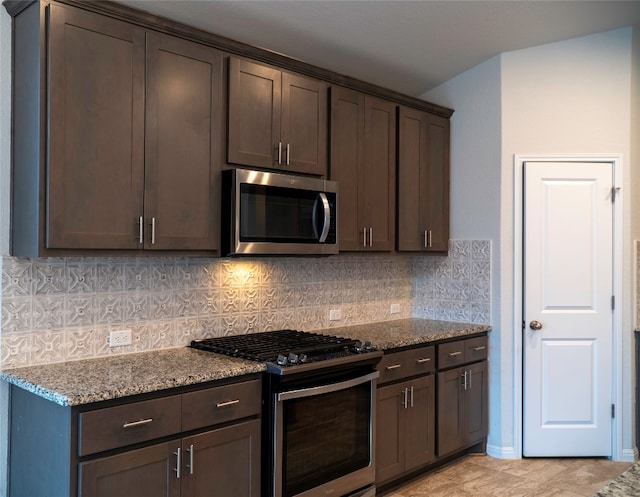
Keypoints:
pixel 335 315
pixel 394 309
pixel 119 338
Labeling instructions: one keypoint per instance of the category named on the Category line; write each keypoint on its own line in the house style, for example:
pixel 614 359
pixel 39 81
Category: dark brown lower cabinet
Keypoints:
pixel 462 407
pixel 195 441
pixel 405 436
pixel 217 463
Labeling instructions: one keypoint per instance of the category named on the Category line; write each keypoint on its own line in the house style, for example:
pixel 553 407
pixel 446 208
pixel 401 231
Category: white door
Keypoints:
pixel 568 316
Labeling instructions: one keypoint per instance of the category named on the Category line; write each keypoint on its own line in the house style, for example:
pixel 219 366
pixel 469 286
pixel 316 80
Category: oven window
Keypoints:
pixel 325 437
pixel 275 214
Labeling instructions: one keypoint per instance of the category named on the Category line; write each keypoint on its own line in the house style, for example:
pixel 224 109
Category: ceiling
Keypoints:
pixel 407 46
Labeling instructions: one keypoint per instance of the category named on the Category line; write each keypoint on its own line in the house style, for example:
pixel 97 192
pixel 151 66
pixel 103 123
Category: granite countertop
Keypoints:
pixel 625 485
pixel 406 332
pixel 92 380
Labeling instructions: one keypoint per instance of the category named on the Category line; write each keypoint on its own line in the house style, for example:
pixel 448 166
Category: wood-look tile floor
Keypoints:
pixel 484 476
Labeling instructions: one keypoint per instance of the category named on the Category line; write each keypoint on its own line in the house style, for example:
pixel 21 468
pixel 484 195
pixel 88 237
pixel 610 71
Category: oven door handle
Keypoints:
pixel 332 387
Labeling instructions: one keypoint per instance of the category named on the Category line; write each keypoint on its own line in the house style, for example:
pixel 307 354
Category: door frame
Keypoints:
pixel 617 452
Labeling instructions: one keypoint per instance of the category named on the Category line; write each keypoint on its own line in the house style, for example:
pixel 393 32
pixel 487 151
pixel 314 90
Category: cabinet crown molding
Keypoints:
pixel 165 25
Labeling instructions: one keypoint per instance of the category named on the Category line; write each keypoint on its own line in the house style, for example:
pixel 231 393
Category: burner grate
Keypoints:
pixel 266 346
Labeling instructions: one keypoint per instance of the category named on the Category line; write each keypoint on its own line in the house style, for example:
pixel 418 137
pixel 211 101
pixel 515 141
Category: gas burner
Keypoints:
pixel 284 349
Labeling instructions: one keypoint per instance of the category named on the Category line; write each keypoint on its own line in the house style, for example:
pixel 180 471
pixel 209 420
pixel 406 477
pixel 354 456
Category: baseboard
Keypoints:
pixel 502 452
pixel 629 455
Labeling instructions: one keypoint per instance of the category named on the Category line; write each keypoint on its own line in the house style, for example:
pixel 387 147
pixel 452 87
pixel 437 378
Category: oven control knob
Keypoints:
pixel 282 360
pixel 358 347
pixel 293 358
pixel 367 346
pixel 303 358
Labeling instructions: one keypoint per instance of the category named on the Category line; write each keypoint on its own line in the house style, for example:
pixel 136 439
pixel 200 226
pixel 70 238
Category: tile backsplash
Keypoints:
pixel 64 308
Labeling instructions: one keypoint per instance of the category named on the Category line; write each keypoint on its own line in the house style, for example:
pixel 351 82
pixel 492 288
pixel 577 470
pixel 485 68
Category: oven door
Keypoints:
pixel 324 439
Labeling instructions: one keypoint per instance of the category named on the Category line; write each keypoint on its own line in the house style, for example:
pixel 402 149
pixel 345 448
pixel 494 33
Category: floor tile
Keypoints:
pixel 485 476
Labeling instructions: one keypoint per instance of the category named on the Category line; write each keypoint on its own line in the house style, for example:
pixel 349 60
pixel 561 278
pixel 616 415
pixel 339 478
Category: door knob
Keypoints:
pixel 535 325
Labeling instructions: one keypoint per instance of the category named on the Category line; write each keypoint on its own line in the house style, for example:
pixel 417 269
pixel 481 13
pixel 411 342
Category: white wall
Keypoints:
pixel 475 202
pixel 570 97
pixel 5 160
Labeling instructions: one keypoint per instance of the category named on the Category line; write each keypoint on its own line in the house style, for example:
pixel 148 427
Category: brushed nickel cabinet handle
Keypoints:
pixel 393 366
pixel 430 238
pixel 370 237
pixel 453 354
pixel 288 152
pixel 425 359
pixel 132 424
pixel 190 465
pixel 411 396
pixel 279 152
pixel 229 403
pixel 364 237
pixel 405 398
pixel 426 242
pixel 153 230
pixel 479 347
pixel 140 230
pixel 178 463
pixel 470 374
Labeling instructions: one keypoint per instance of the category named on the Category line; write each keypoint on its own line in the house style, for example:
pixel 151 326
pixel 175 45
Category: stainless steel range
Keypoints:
pixel 319 411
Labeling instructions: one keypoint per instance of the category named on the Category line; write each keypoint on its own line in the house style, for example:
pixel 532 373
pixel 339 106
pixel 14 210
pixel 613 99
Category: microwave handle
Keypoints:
pixel 326 219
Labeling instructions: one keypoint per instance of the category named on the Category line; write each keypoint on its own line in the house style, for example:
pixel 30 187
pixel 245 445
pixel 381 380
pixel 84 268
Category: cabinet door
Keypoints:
pixel 477 398
pixel 436 198
pixel 390 430
pixel 254 114
pixel 421 423
pixel 347 155
pixel 96 131
pixel 223 462
pixel 304 124
pixel 377 174
pixel 423 181
pixel 451 422
pixel 183 109
pixel 136 473
pixel 412 216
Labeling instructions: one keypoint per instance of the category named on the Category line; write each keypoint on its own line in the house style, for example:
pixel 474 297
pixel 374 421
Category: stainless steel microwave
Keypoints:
pixel 278 214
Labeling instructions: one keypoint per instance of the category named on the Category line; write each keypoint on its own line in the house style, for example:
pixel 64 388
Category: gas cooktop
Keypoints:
pixel 288 351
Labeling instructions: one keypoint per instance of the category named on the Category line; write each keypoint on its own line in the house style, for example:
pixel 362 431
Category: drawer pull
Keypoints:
pixel 394 366
pixel 426 359
pixel 453 354
pixel 132 424
pixel 479 347
pixel 229 403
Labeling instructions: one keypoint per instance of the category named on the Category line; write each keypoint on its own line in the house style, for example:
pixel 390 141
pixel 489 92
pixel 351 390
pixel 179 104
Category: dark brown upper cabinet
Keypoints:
pixel 423 181
pixel 277 119
pixel 126 155
pixel 363 161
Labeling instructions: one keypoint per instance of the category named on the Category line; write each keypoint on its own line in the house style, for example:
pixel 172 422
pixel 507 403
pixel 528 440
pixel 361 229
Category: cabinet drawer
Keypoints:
pixel 113 427
pixel 475 349
pixel 397 365
pixel 451 354
pixel 221 404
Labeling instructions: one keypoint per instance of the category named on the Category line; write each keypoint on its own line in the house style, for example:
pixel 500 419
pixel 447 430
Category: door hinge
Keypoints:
pixel 613 302
pixel 614 191
pixel 613 410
